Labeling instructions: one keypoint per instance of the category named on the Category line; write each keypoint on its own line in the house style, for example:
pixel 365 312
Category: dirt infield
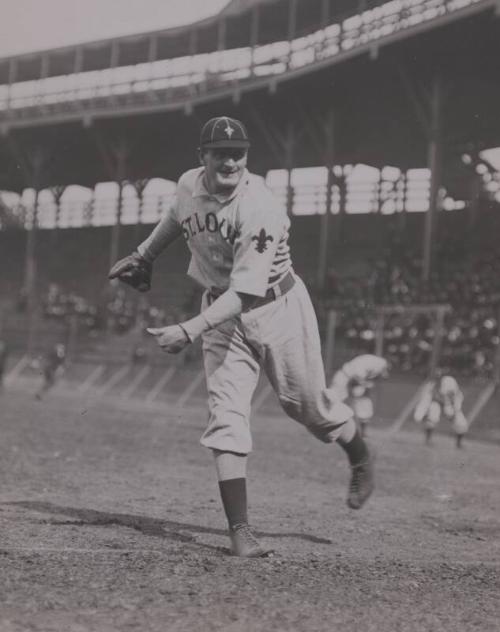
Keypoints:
pixel 110 520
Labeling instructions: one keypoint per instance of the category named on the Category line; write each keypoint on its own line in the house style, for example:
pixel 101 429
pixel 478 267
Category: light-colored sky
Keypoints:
pixel 31 25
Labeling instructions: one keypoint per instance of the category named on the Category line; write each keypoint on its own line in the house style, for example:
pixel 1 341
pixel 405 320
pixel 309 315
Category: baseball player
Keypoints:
pixel 354 381
pixel 255 313
pixel 52 367
pixel 441 395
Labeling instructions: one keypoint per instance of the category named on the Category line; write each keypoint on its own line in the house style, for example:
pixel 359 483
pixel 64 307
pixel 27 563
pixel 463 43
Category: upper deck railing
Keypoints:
pixel 185 81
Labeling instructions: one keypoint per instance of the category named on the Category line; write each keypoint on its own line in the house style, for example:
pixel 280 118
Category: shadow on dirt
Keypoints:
pixel 147 526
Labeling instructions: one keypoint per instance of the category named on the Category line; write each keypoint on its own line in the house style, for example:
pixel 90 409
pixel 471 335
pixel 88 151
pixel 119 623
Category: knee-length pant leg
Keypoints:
pixel 287 330
pixel 232 371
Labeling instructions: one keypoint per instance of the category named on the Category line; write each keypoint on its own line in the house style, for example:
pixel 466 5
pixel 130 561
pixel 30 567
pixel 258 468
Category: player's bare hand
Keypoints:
pixel 172 339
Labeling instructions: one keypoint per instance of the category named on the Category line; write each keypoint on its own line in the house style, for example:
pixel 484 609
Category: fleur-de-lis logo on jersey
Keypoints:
pixel 229 130
pixel 261 240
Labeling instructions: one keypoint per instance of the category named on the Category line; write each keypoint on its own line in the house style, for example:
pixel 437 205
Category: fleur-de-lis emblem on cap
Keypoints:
pixel 261 240
pixel 229 130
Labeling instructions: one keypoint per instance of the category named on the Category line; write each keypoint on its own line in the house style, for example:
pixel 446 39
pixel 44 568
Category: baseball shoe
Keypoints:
pixel 245 544
pixel 361 484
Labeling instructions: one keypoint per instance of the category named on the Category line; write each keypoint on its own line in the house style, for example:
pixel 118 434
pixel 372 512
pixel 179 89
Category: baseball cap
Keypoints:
pixel 224 131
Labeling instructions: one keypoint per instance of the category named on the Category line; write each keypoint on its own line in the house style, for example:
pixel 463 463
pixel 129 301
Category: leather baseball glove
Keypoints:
pixel 133 270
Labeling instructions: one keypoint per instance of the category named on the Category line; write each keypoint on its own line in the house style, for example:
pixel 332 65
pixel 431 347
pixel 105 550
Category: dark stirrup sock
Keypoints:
pixel 356 449
pixel 233 493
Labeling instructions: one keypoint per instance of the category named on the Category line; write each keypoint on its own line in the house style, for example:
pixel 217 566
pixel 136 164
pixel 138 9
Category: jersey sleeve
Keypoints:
pixel 259 231
pixel 165 232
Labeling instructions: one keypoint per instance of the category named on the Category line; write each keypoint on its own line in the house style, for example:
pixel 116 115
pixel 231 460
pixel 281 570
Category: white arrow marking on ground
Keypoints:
pixel 162 382
pixel 92 378
pixel 190 389
pixel 136 381
pixel 114 379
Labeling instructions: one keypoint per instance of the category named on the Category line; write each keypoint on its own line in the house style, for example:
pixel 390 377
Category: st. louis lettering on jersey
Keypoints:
pixel 196 224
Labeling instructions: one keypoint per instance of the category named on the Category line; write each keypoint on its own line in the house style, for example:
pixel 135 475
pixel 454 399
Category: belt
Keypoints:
pixel 281 288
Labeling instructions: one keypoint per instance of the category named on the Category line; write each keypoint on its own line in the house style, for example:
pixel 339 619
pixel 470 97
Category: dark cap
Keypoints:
pixel 223 131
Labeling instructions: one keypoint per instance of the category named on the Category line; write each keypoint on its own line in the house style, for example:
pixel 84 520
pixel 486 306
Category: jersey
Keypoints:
pixel 441 396
pixel 451 395
pixel 238 241
pixel 365 367
pixel 358 372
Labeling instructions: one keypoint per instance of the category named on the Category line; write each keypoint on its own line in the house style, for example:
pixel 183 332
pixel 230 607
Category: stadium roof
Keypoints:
pixel 379 102
pixel 241 23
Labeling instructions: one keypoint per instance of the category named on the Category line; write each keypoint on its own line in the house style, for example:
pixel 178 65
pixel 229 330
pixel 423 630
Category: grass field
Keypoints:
pixel 110 520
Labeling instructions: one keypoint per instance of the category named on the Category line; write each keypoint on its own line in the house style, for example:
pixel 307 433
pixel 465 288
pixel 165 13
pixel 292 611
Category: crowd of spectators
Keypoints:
pixel 466 281
pixel 469 283
pixel 118 311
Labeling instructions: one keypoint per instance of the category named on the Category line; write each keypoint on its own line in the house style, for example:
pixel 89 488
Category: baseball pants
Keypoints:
pixel 281 337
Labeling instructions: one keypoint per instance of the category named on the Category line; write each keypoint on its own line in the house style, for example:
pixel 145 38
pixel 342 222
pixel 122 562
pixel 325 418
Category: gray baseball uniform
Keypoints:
pixel 241 242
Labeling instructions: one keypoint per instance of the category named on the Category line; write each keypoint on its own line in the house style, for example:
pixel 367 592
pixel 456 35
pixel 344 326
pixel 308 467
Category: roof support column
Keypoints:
pixel 292 25
pixel 193 41
pixel 114 56
pixel 434 163
pixel 325 222
pixel 139 186
pixel 29 281
pixel 31 227
pixel 292 19
pixel 45 66
pixel 34 165
pixel 114 154
pixel 341 181
pixel 289 147
pixel 428 106
pixel 221 35
pixel 475 196
pixel 12 77
pixel 120 154
pixel 403 213
pixel 325 13
pixel 254 34
pixel 57 193
pixel 78 61
pixel 152 48
pixel 88 213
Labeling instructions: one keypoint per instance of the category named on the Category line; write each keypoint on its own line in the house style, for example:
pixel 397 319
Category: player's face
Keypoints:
pixel 224 168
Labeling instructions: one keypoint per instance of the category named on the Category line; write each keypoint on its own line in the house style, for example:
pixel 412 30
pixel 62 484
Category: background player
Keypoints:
pixel 255 313
pixel 53 364
pixel 355 381
pixel 441 395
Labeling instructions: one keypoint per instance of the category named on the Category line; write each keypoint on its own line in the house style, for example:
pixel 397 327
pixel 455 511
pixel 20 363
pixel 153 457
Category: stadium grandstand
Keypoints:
pixel 375 123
